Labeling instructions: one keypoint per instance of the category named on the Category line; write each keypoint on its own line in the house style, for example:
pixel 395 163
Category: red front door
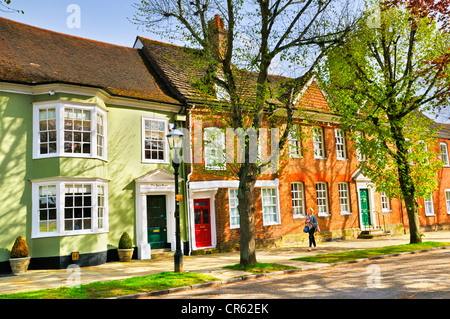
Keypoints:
pixel 202 215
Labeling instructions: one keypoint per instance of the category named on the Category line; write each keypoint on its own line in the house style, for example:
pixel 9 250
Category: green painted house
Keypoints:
pixel 83 149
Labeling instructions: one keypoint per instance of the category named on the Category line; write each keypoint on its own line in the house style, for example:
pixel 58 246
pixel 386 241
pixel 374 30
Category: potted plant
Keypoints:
pixel 20 256
pixel 125 249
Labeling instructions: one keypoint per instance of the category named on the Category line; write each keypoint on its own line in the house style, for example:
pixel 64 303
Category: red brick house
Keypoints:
pixel 318 171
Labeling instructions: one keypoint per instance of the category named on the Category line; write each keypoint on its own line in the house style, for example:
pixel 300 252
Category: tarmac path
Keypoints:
pixel 420 276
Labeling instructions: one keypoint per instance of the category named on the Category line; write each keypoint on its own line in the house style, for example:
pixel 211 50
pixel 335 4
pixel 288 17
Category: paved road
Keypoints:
pixel 424 276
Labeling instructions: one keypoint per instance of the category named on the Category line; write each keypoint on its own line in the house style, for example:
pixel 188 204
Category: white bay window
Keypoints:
pixel 68 130
pixel 69 207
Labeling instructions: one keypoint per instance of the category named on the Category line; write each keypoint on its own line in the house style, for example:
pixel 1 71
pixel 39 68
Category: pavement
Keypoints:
pixel 207 264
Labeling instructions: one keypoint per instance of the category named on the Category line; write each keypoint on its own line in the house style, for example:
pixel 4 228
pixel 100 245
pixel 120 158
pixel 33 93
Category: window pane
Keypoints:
pixel 77 121
pixel 318 142
pixel 47 131
pixel 233 204
pixel 154 140
pixel 214 143
pixel 47 208
pixel 80 197
pixel 322 200
pixel 297 199
pixel 269 205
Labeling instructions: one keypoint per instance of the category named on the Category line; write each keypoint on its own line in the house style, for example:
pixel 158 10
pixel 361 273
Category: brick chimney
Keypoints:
pixel 218 36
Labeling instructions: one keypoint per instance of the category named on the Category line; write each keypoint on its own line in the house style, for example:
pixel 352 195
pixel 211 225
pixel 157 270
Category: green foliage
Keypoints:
pixel 115 288
pixel 260 268
pixel 380 81
pixel 125 241
pixel 374 252
pixel 20 248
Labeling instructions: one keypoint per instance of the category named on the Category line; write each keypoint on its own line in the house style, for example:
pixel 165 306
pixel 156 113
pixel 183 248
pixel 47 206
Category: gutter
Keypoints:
pixel 188 179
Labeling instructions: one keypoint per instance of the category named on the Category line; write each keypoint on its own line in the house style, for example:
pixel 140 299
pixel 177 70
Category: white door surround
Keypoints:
pixel 157 182
pixel 208 190
pixel 363 182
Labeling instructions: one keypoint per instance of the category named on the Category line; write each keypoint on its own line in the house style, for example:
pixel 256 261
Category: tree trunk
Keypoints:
pixel 406 183
pixel 413 217
pixel 248 175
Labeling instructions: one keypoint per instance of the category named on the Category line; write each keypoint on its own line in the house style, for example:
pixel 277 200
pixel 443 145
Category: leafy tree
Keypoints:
pixel 5 7
pixel 293 31
pixel 380 80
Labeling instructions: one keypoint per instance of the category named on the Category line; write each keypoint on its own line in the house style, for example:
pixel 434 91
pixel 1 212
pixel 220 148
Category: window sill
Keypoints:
pixel 324 215
pixel 155 162
pixel 271 224
pixel 215 168
pixel 346 213
pixel 56 155
pixel 50 235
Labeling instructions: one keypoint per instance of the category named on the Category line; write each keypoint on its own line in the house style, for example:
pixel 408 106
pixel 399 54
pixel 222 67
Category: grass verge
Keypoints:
pixel 374 252
pixel 115 288
pixel 260 268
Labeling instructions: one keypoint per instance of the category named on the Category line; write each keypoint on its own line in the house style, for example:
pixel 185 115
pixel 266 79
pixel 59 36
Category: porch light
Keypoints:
pixel 175 138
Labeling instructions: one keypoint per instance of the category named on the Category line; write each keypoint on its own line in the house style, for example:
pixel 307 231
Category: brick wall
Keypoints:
pixel 309 171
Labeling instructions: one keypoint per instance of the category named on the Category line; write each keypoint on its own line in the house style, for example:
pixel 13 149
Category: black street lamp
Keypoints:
pixel 175 138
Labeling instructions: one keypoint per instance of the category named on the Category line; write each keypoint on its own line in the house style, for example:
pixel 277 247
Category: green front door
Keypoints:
pixel 365 207
pixel 156 221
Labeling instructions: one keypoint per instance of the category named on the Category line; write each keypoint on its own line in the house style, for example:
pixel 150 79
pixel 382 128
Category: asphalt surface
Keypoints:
pixel 418 276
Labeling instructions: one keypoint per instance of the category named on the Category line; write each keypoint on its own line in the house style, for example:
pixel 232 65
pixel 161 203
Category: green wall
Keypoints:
pixel 17 168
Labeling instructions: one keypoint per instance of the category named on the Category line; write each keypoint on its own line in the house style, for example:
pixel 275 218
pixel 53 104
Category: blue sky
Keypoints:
pixel 100 20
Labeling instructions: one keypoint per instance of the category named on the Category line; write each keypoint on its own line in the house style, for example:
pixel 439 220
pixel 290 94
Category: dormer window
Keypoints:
pixel 221 93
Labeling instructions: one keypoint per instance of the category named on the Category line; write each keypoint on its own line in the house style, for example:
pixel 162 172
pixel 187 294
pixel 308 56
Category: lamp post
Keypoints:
pixel 175 139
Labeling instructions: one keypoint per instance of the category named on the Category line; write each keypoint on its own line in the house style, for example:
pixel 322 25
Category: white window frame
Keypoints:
pixel 428 205
pixel 165 160
pixel 275 204
pixel 322 202
pixel 319 142
pixel 60 185
pixel 447 200
pixel 341 147
pixel 295 150
pixel 298 200
pixel 217 145
pixel 344 198
pixel 59 110
pixel 385 203
pixel 233 203
pixel 444 156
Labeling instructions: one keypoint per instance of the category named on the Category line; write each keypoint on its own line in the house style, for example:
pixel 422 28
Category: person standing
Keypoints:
pixel 311 222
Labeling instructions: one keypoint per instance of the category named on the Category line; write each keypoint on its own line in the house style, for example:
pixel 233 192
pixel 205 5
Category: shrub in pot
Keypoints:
pixel 20 256
pixel 125 249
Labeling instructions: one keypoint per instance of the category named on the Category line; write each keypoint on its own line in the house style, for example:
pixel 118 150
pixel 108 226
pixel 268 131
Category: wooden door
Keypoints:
pixel 156 221
pixel 202 216
pixel 365 207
